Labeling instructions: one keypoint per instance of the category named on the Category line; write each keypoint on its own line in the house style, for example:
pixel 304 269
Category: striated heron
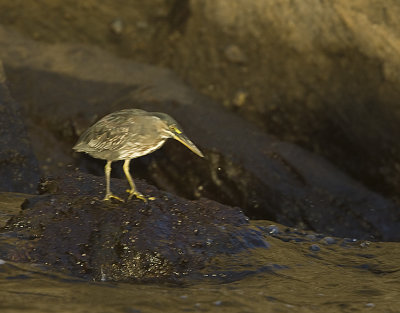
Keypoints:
pixel 128 134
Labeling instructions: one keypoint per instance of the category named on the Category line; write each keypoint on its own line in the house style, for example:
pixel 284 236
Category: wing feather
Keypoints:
pixel 122 135
pixel 110 133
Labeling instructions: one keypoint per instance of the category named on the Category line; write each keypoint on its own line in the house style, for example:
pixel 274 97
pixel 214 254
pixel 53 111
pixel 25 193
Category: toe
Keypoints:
pixel 111 196
pixel 137 195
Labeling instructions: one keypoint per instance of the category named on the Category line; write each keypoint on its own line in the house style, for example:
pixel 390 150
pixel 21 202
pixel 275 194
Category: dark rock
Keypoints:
pixel 329 240
pixel 10 205
pixel 315 248
pixel 311 237
pixel 273 229
pixel 67 88
pixel 334 93
pixel 168 238
pixel 327 80
pixel 19 169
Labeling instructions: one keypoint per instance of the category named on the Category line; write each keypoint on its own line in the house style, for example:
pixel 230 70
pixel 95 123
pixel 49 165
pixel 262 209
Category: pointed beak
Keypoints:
pixel 186 141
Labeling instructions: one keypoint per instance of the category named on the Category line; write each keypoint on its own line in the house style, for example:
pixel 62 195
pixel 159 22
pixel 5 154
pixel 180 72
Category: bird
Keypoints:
pixel 128 134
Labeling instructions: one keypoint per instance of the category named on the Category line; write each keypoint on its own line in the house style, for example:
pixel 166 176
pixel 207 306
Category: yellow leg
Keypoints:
pixel 109 195
pixel 133 190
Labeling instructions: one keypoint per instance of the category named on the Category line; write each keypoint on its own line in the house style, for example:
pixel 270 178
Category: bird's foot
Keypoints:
pixel 137 194
pixel 110 196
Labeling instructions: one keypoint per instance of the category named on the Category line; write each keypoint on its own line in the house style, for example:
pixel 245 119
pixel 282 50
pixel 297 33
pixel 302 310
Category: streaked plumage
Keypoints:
pixel 128 134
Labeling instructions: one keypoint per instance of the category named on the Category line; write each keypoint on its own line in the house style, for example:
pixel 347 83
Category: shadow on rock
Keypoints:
pixel 19 169
pixel 165 239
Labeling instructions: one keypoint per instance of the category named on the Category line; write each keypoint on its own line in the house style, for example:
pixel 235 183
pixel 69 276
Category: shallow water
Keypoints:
pixel 300 272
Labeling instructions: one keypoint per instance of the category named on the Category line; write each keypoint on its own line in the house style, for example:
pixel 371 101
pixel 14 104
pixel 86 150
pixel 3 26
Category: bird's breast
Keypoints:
pixel 139 148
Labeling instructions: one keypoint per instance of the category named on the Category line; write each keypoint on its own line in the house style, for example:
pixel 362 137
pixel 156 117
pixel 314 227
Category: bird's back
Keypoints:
pixel 124 134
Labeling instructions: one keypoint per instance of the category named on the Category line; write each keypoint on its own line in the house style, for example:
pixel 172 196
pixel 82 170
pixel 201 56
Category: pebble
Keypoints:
pixel 365 244
pixel 329 240
pixel 117 26
pixel 311 237
pixel 240 98
pixel 234 54
pixel 349 240
pixel 315 247
pixel 273 229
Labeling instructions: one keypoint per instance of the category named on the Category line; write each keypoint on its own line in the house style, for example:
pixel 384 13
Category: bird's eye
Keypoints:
pixel 175 129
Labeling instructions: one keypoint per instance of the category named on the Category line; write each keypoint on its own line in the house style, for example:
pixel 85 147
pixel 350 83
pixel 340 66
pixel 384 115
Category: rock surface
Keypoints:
pixel 320 74
pixel 70 229
pixel 19 168
pixel 65 88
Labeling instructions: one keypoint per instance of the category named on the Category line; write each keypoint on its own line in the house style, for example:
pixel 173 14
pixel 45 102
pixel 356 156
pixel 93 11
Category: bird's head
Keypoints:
pixel 172 129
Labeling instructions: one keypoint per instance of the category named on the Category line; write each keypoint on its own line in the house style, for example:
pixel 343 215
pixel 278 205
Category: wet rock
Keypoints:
pixel 10 204
pixel 273 229
pixel 245 167
pixel 329 240
pixel 165 239
pixel 19 169
pixel 322 75
pixel 311 237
